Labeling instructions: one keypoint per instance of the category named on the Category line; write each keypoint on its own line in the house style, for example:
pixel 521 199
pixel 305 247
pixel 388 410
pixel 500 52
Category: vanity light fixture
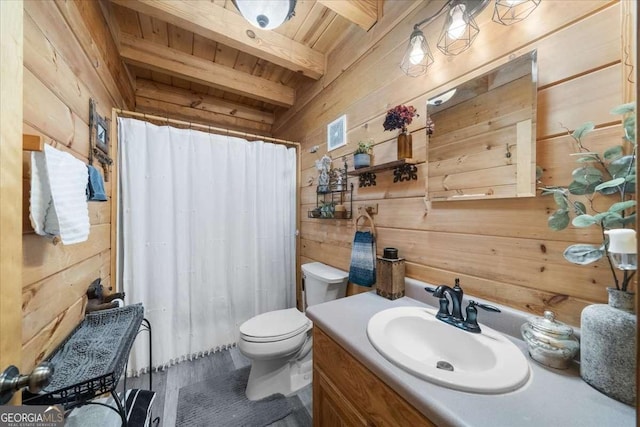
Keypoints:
pixel 266 14
pixel 507 12
pixel 459 30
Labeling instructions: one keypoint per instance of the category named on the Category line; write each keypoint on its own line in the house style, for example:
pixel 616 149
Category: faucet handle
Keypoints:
pixel 471 323
pixel 485 307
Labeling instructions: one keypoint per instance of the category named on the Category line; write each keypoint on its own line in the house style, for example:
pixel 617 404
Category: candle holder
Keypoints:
pixel 623 248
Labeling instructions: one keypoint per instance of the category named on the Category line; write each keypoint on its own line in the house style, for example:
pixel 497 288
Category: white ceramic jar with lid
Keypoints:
pixel 550 342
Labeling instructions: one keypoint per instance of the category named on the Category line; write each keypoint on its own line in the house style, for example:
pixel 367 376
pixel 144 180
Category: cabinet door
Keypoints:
pixel 345 392
pixel 330 407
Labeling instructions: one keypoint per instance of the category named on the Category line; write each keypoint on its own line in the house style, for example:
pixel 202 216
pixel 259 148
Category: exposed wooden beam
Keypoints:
pixel 156 57
pixel 229 28
pixel 363 13
pixel 201 101
pixel 193 115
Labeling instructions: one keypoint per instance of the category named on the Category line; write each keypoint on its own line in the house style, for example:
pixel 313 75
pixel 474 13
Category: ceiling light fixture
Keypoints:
pixel 266 14
pixel 459 30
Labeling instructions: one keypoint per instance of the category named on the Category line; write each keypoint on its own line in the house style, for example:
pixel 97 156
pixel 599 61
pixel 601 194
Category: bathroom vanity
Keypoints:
pixel 353 384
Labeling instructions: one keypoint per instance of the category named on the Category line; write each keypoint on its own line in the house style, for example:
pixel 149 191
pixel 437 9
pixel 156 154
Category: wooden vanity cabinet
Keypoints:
pixel 346 393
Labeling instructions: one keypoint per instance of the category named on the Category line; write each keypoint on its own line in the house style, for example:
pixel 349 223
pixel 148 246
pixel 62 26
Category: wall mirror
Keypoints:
pixel 482 135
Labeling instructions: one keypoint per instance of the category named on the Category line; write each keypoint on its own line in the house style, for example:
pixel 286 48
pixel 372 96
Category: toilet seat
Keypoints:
pixel 274 326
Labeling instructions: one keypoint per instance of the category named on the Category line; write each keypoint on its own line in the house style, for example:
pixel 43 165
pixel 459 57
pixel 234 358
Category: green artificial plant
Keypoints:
pixel 611 175
pixel 364 147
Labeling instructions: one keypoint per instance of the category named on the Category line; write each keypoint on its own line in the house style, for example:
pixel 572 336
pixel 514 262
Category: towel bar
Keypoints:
pixel 365 214
pixel 32 142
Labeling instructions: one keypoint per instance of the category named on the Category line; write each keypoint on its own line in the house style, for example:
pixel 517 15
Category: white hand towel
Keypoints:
pixel 58 202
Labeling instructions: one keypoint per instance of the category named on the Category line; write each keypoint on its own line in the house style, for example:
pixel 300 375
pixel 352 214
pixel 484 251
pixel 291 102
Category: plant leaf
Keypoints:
pixel 613 220
pixel 620 206
pixel 631 219
pixel 546 191
pixel 579 208
pixel 582 130
pixel 560 199
pixel 613 153
pixel 587 175
pixel 538 173
pixel 583 221
pixel 559 220
pixel 582 254
pixel 580 189
pixel 588 159
pixel 622 167
pixel 608 184
pixel 629 126
pixel 624 108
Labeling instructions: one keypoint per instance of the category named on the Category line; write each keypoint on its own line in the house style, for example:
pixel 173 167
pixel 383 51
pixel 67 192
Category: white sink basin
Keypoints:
pixel 413 339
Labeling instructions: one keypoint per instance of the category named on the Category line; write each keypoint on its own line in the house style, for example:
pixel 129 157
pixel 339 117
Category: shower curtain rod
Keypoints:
pixel 211 129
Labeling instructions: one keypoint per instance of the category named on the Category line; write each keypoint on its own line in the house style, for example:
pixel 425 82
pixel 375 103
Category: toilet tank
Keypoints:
pixel 323 283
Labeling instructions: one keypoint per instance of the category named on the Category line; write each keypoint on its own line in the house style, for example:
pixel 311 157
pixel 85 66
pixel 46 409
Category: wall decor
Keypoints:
pixel 99 139
pixel 337 133
pixel 99 132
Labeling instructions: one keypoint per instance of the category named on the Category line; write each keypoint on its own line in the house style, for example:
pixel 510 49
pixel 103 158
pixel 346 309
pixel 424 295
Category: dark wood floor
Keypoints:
pixel 167 384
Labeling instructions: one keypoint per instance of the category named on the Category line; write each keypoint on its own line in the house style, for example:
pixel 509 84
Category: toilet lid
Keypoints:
pixel 275 325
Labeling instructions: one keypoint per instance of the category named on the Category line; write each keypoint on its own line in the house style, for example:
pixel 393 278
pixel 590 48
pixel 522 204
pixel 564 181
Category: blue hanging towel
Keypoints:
pixel 363 259
pixel 95 186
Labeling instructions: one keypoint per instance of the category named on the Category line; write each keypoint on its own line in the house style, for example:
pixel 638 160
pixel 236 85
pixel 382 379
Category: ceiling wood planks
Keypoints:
pixel 179 53
pixel 218 23
pixel 162 58
pixel 363 13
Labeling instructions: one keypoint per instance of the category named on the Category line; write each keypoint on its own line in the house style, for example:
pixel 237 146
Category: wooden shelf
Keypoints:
pixel 385 166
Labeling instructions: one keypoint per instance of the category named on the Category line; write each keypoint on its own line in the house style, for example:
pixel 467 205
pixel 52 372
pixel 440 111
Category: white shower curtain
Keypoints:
pixel 206 233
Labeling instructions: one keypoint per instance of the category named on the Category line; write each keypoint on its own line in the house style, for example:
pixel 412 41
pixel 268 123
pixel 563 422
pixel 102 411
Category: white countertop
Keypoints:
pixel 551 397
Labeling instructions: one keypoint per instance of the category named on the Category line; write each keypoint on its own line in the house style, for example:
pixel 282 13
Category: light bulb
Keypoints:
pixel 416 55
pixel 512 3
pixel 458 24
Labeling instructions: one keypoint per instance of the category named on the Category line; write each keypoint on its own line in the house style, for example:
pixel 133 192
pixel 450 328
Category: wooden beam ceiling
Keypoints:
pixel 363 13
pixel 225 26
pixel 200 101
pixel 153 56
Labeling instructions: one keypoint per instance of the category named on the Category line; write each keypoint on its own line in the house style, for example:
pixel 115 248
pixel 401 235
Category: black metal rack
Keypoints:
pixel 332 196
pixel 103 378
pixel 403 170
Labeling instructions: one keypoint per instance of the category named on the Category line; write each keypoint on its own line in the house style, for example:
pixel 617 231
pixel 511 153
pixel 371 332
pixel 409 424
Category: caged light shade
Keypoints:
pixel 507 12
pixel 417 57
pixel 266 14
pixel 459 31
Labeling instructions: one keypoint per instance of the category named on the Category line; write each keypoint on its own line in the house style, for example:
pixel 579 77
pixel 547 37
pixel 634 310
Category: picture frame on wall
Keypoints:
pixel 99 129
pixel 337 133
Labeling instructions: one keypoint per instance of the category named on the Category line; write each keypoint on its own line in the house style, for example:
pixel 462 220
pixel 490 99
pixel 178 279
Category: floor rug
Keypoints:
pixel 220 401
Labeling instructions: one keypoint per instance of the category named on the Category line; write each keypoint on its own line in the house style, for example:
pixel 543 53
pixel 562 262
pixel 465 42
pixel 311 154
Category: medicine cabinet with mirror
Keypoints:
pixel 482 135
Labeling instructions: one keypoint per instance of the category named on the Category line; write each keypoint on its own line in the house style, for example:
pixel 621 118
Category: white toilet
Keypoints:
pixel 279 342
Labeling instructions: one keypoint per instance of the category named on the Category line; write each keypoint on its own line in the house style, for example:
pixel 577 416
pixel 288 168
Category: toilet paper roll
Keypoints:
pixel 119 301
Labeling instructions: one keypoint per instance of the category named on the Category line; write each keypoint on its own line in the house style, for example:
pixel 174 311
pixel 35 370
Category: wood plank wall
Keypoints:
pixel 69 57
pixel 501 249
pixel 11 43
